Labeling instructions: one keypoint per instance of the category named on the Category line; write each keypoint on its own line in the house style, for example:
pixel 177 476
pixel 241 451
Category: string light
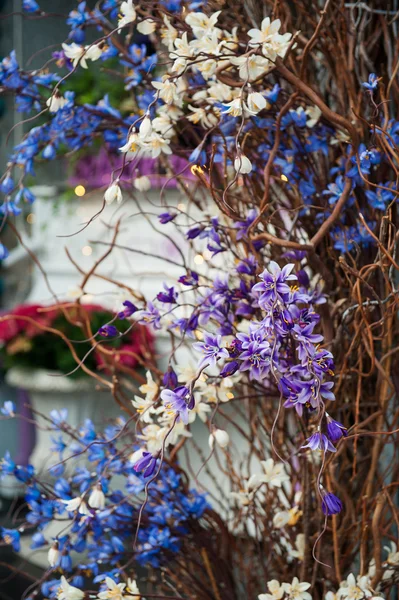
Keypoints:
pixel 181 206
pixel 80 190
pixel 198 259
pixel 87 250
pixel 31 218
pixel 283 178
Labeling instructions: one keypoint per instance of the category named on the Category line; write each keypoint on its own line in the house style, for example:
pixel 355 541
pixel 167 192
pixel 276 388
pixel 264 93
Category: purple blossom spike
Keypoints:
pixel 335 429
pixel 146 463
pixel 128 311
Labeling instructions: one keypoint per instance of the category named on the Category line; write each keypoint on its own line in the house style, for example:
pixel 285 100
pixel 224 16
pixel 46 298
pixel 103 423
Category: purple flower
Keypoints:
pixel 318 441
pixel 243 226
pixel 170 378
pixel 273 284
pixel 191 278
pixel 166 217
pixel 168 296
pixel 151 315
pixel 108 331
pixel 128 311
pixel 146 463
pixel 229 369
pixel 212 350
pixel 331 504
pixel 335 430
pixel 176 402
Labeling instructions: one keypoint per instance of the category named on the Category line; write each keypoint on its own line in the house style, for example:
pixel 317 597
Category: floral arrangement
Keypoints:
pixel 282 322
pixel 55 337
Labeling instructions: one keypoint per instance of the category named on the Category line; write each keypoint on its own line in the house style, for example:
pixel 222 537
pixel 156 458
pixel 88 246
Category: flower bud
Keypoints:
pixel 242 164
pixel 222 438
pixel 142 184
pixel 113 193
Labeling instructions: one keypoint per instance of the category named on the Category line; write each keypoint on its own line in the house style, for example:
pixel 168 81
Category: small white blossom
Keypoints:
pixel 75 53
pixel 132 590
pixel 274 474
pixel 146 27
pixel 68 591
pixel 256 102
pixel 114 590
pixel 93 52
pixel 299 553
pixel 53 555
pixel 242 164
pixel 167 90
pixel 356 589
pixel 113 193
pixel 156 144
pixel 128 13
pixel 132 145
pixel 201 24
pixel 221 437
pixel 251 67
pixel 55 102
pixel 76 504
pixel 281 519
pixel 97 498
pixel 145 129
pixel 314 114
pixel 276 591
pixel 234 108
pixel 150 389
pixel 296 590
pixel 142 184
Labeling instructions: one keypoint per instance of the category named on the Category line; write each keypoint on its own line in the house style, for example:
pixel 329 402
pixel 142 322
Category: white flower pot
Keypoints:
pixel 49 392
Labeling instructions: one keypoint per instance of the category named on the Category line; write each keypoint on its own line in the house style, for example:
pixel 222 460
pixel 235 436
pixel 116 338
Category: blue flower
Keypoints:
pixel 146 463
pixel 318 441
pixel 335 429
pixel 30 6
pixel 372 83
pixel 4 253
pixel 12 537
pixel 38 540
pixel 8 409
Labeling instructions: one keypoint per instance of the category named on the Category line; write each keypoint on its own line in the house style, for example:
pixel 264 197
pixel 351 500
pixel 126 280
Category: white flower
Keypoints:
pixel 314 114
pixel 234 108
pixel 163 125
pixel 276 591
pixel 145 129
pixel 97 498
pixel 251 67
pixel 93 52
pixel 266 32
pixel 76 504
pixel 69 592
pixel 55 102
pixel 146 27
pixel 281 519
pixel 168 33
pixel 150 389
pixel 330 596
pixel 114 590
pixel 156 144
pixel 132 145
pixel 242 164
pixel 201 24
pixel 167 90
pixel 299 553
pixel 221 437
pixel 206 117
pixel 244 497
pixel 53 555
pixel 142 184
pixel 132 590
pixel 296 590
pixel 201 409
pixel 274 474
pixel 128 13
pixel 75 53
pixel 114 192
pixel 256 102
pixel 144 407
pixel 356 589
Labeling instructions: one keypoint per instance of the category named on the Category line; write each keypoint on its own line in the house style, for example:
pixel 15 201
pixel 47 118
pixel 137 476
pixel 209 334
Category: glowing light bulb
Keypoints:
pixel 283 178
pixel 87 250
pixel 80 190
pixel 198 259
pixel 31 218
